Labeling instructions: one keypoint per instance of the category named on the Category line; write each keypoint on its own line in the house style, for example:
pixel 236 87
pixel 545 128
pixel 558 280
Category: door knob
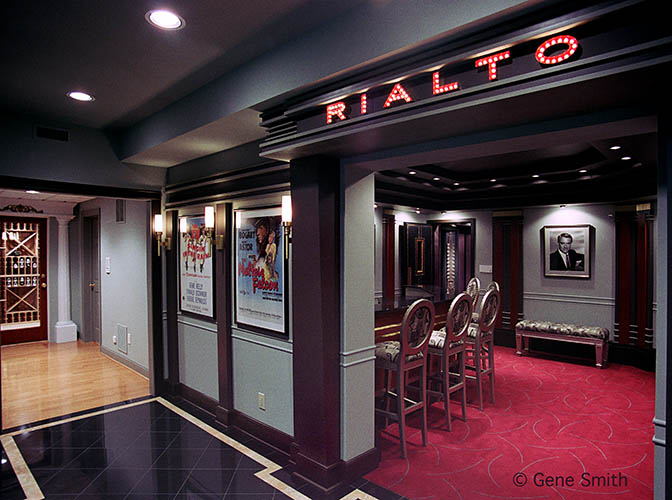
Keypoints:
pixel 44 285
pixel 92 285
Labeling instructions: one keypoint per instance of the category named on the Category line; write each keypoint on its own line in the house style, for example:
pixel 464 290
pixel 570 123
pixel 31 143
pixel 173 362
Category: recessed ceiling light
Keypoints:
pixel 638 164
pixel 493 180
pixel 375 206
pixel 626 158
pixel 614 148
pixel 583 171
pixel 32 191
pixel 417 210
pixel 436 178
pixel 535 176
pixel 412 172
pixel 165 19
pixel 456 183
pixel 81 96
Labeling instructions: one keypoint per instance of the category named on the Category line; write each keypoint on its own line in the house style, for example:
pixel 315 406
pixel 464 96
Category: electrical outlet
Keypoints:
pixel 261 401
pixel 128 338
pixel 114 339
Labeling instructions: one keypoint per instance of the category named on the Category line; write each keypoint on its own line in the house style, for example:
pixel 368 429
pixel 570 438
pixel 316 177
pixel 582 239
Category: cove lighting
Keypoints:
pixel 32 191
pixel 81 96
pixel 165 19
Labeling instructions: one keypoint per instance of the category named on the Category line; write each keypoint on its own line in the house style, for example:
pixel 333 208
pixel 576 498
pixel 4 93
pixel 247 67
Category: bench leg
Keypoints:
pixel 599 349
pixel 519 343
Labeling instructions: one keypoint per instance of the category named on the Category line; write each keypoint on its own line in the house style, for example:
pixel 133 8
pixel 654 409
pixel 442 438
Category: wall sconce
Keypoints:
pixel 287 222
pixel 158 230
pixel 210 228
pixel 183 225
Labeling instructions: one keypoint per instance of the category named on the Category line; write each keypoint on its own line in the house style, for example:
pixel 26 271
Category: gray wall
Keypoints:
pixel 87 158
pixel 197 349
pixel 584 301
pixel 123 292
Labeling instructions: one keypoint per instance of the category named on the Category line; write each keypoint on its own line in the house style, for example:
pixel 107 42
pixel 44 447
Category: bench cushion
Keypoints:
pixel 563 329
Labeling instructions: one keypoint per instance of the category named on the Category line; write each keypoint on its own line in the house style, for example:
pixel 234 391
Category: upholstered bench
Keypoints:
pixel 565 332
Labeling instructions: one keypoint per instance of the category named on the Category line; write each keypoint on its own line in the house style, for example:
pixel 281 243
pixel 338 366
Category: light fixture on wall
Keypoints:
pixel 158 231
pixel 210 228
pixel 287 222
pixel 183 225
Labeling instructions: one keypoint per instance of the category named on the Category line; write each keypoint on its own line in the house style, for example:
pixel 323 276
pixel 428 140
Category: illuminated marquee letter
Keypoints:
pixel 398 93
pixel 362 105
pixel 571 43
pixel 336 109
pixel 491 62
pixel 440 89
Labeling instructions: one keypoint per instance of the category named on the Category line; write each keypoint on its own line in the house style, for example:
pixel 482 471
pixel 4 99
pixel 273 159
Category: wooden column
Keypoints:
pixel 316 320
pixel 156 359
pixel 223 280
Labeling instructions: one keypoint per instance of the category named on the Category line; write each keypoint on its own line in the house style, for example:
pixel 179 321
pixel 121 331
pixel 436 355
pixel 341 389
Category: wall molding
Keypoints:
pixel 262 343
pixel 571 299
pixel 182 320
pixel 128 363
pixel 357 362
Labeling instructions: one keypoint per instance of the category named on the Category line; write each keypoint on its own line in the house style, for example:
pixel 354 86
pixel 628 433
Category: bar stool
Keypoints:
pixel 409 353
pixel 491 285
pixel 448 344
pixel 479 344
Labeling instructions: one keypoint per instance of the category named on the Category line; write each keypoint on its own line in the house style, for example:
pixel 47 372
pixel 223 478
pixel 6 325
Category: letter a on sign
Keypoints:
pixel 398 93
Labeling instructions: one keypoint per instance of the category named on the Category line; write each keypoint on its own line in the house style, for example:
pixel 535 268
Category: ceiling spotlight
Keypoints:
pixel 417 210
pixel 436 178
pixel 412 172
pixel 81 96
pixel 583 171
pixel 165 19
pixel 535 176
pixel 626 158
pixel 375 206
pixel 456 183
pixel 493 180
pixel 32 191
pixel 614 148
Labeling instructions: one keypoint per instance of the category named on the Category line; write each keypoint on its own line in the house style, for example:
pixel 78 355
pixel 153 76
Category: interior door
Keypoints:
pixel 91 278
pixel 24 271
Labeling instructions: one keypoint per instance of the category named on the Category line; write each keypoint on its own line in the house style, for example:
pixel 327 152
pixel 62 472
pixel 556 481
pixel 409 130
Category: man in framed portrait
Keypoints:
pixel 564 258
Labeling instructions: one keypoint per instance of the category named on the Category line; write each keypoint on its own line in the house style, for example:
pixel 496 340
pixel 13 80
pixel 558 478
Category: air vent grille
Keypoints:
pixel 53 134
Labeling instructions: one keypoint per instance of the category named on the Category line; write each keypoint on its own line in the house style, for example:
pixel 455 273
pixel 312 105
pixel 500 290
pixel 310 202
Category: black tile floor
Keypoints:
pixel 147 451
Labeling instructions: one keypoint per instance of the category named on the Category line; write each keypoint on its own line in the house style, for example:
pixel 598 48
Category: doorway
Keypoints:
pixel 24 287
pixel 91 278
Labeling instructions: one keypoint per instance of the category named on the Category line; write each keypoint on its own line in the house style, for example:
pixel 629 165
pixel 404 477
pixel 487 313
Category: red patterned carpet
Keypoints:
pixel 558 430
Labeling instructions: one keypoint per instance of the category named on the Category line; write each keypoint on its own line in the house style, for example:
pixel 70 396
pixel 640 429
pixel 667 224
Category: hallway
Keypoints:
pixel 43 380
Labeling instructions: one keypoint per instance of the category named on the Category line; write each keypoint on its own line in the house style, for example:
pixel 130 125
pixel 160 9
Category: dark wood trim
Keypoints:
pixel 156 360
pixel 388 259
pixel 198 399
pixel 642 287
pixel 171 259
pixel 47 186
pixel 624 287
pixel 223 280
pixel 265 434
pixel 497 260
pixel 516 242
pixel 316 318
pixel 360 465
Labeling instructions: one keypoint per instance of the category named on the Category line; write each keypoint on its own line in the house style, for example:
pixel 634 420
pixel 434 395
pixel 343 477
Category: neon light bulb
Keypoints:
pixel 362 105
pixel 336 109
pixel 491 61
pixel 440 89
pixel 397 94
pixel 572 46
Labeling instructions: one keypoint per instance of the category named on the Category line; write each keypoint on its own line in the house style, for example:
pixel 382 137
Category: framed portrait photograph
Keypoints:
pixel 260 293
pixel 566 251
pixel 196 290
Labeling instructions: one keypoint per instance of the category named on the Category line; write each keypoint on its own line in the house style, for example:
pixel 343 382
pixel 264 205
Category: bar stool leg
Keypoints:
pixel 491 366
pixel 423 395
pixel 446 390
pixel 401 393
pixel 478 363
pixel 463 381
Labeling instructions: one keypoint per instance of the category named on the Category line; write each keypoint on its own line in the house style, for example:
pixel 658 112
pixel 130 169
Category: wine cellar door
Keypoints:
pixel 23 280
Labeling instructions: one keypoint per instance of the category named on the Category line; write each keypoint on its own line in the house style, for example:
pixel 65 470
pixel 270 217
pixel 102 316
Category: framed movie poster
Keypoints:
pixel 196 292
pixel 566 251
pixel 260 270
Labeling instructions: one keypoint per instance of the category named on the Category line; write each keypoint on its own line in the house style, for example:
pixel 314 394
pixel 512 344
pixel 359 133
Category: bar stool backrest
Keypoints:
pixel 473 287
pixel 489 309
pixel 458 318
pixel 492 285
pixel 416 328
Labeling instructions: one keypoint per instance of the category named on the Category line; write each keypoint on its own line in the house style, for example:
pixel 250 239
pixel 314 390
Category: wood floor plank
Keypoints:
pixel 44 380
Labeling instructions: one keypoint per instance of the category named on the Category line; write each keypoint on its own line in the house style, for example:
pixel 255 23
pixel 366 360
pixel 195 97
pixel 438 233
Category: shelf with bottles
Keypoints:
pixel 20 265
pixel 21 281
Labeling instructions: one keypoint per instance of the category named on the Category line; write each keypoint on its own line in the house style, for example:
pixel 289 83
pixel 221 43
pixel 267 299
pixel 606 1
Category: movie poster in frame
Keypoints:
pixel 196 290
pixel 260 270
pixel 566 251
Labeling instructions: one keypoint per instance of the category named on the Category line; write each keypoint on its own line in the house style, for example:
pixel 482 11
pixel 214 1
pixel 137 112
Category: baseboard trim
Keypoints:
pixel 261 432
pixel 125 361
pixel 198 399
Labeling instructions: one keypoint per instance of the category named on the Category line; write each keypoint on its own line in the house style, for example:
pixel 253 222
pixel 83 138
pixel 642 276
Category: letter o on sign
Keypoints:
pixel 571 43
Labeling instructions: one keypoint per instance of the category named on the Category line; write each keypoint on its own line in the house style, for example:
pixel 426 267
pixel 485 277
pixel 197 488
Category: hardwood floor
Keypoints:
pixel 43 380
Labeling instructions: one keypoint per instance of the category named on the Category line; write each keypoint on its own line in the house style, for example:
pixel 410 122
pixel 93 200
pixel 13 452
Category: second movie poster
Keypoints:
pixel 260 294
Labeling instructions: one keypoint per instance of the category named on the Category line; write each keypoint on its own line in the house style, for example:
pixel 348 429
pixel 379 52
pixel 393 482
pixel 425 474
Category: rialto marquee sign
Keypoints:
pixel 553 51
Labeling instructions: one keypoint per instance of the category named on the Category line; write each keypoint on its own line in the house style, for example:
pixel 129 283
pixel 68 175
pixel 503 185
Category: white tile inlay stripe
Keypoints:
pixel 21 469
